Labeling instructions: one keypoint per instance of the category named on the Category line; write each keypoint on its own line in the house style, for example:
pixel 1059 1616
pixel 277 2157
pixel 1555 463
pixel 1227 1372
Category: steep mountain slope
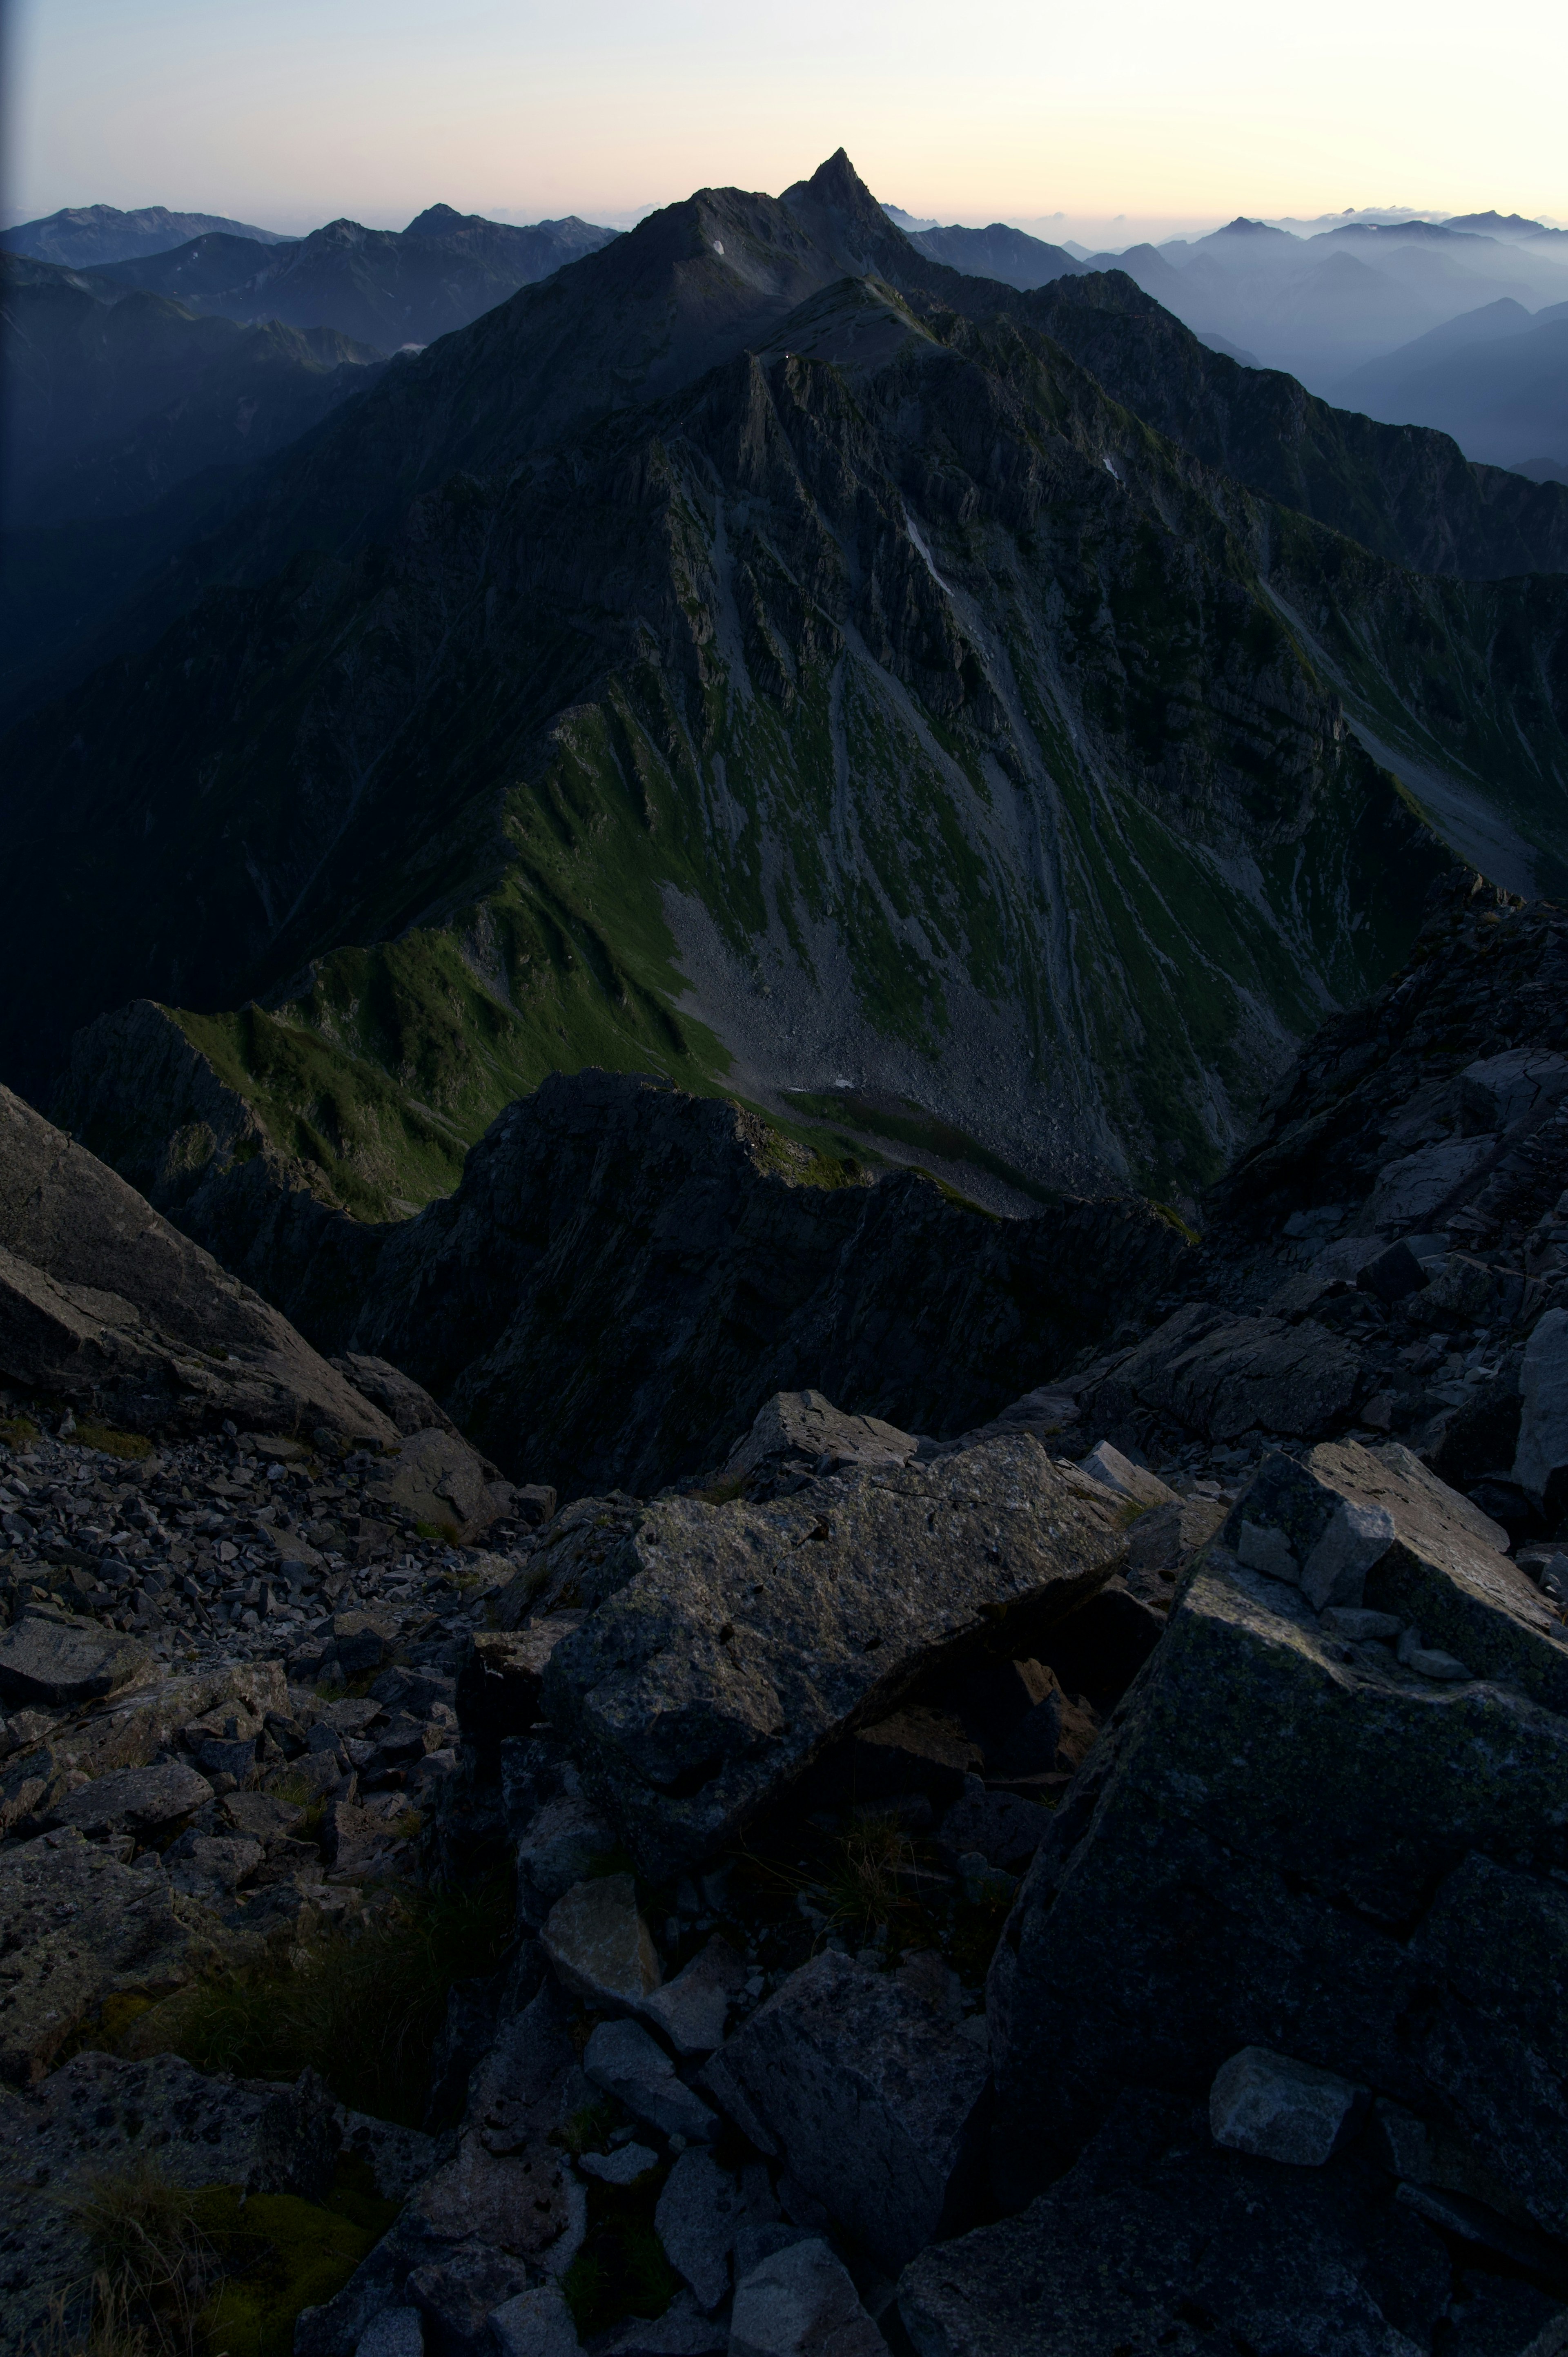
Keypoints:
pixel 1008 255
pixel 82 237
pixel 763 656
pixel 890 688
pixel 385 287
pixel 109 405
pixel 1497 381
pixel 1407 493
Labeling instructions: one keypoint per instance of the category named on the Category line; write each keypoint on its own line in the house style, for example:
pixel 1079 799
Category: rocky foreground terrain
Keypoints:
pixel 1081 1874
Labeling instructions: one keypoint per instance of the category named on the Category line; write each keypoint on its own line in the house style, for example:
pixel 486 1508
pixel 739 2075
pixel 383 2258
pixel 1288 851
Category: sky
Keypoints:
pixel 1112 124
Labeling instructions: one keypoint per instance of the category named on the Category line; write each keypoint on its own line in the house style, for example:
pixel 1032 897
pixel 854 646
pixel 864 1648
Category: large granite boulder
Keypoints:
pixel 740 1640
pixel 876 2102
pixel 78 1926
pixel 1332 1837
pixel 1157 2241
pixel 1222 1375
pixel 107 1307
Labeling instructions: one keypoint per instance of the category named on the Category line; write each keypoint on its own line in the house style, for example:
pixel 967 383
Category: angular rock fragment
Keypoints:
pixel 1280 2109
pixel 801 2303
pixel 439 1477
pixel 498 1685
pixel 1223 1375
pixel 1131 1481
pixel 395 2332
pixel 692 2008
pixel 1245 1859
pixel 1543 1453
pixel 742 1638
pixel 622 2058
pixel 798 1433
pixel 60 1664
pixel 600 1945
pixel 535 2323
pixel 701 2210
pixel 76 1927
pixel 918 1749
pixel 141 1801
pixel 514 2202
pixel 877 2104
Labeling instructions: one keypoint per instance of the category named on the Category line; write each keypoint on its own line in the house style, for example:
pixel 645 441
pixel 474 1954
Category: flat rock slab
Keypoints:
pixel 77 1926
pixel 801 2303
pixel 1274 1847
pixel 141 1801
pixel 878 2106
pixel 97 2113
pixel 57 1664
pixel 1223 1375
pixel 599 1944
pixel 1155 2242
pixel 741 1639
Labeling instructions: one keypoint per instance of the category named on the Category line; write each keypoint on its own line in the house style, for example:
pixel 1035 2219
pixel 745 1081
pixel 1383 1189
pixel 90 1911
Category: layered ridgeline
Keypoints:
pixel 763 656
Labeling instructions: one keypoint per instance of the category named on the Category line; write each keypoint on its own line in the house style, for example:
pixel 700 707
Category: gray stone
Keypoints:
pixel 622 2058
pixel 398 2158
pixel 599 1944
pixel 1005 1829
pixel 561 1842
pixel 1297 1523
pixel 497 1687
pixel 534 2323
pixel 1543 1387
pixel 141 1801
pixel 438 1477
pixel 700 2211
pixel 60 1664
pixel 682 2331
pixel 1357 1626
pixel 691 2009
pixel 395 2332
pixel 1168 1537
pixel 1242 1862
pixel 919 1750
pixel 1280 2109
pixel 1106 1464
pixel 622 2166
pixel 458 2294
pixel 1416 1185
pixel 211 1865
pixel 1224 1375
pixel 742 1638
pixel 1158 2241
pixel 802 2302
pixel 76 1927
pixel 523 2202
pixel 877 2104
pixel 1497 1091
pixel 799 1430
pixel 518 2092
pixel 1393 1275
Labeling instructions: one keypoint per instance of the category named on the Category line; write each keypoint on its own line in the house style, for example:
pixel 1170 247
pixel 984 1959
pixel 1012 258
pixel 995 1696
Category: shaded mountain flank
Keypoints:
pixel 763 656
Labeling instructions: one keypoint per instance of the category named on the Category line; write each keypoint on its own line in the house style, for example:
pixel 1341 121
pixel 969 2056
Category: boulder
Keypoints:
pixel 1222 1375
pixel 1158 2241
pixel 1003 1829
pixel 741 1639
pixel 105 1305
pixel 682 2331
pixel 519 2202
pixel 1542 1452
pixel 692 2008
pixel 59 1663
pixel 521 2088
pixel 802 2302
pixel 1335 1858
pixel 622 2058
pixel 395 2332
pixel 876 2104
pixel 145 1802
pixel 798 1433
pixel 439 1479
pixel 701 2211
pixel 457 2292
pixel 535 2323
pixel 1280 2109
pixel 76 1927
pixel 599 1944
pixel 560 1844
pixel 1136 1482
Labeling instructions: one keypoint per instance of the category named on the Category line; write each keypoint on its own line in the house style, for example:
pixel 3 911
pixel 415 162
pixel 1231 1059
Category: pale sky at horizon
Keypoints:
pixel 290 113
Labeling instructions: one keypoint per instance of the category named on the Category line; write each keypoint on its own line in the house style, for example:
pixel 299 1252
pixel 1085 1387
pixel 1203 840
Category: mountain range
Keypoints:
pixel 977 726
pixel 1495 378
pixel 84 236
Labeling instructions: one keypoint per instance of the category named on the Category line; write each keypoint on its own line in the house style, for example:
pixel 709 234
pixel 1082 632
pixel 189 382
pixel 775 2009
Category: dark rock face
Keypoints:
pixel 740 1641
pixel 618 1214
pixel 105 1306
pixel 1295 1843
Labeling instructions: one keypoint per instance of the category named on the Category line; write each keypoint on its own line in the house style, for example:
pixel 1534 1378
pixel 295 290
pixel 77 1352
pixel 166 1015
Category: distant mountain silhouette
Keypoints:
pixel 84 237
pixel 387 287
pixel 1008 255
pixel 1497 379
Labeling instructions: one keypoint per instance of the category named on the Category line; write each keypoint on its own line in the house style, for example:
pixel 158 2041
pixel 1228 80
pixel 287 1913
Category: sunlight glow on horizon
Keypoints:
pixel 290 114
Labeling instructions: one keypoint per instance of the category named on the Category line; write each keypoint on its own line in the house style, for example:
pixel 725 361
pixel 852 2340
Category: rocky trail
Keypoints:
pixel 1081 1874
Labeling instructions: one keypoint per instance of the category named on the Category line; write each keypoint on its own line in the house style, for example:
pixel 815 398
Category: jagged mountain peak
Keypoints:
pixel 844 218
pixel 440 221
